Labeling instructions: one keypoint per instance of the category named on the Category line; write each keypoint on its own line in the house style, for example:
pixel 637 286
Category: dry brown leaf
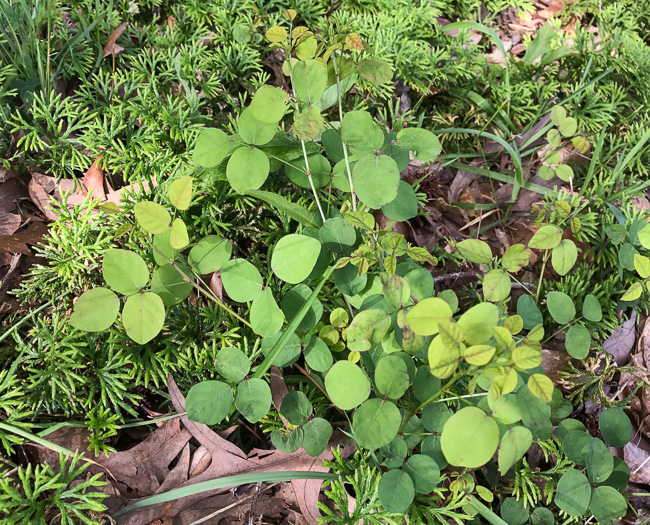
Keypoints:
pixel 17 243
pixel 621 342
pixel 111 48
pixel 41 198
pixel 9 223
pixel 216 285
pixel 93 179
pixel 637 456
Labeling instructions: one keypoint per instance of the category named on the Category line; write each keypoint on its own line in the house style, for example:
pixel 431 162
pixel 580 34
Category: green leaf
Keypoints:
pixel 528 311
pixel 469 438
pixel 180 193
pixel 296 408
pixel 516 257
pixel 317 433
pixel 347 385
pixel 287 443
pixel 599 460
pixel 209 402
pixel 425 385
pixel 152 216
pixel 143 316
pixel 178 238
pixel 633 292
pixel 124 271
pixel 564 256
pixel 241 280
pixel 397 292
pixel 209 254
pixel 317 355
pixel 424 472
pixel 573 493
pixel 574 443
pixel 367 329
pixel 496 286
pixel 212 146
pixel 309 79
pixel 404 206
pixel 253 399
pixel 376 180
pixel 514 444
pixel 546 238
pixel 163 252
pixel 292 302
pixel 568 127
pixel 424 144
pixel 96 310
pixel 558 114
pixel 564 172
pixel 265 316
pixel 291 209
pixel 478 322
pixel 535 414
pixel 319 168
pixel 642 265
pixel 541 387
pixel 375 423
pixel 294 257
pixel 391 376
pixel 276 34
pixel 591 309
pixel 443 358
pixel 308 123
pixel 396 491
pixel 607 505
pixel 338 235
pixel 514 512
pixel 475 251
pixel 170 285
pixel 615 427
pixel 505 409
pixel 248 168
pixel 644 237
pixel 578 342
pixel 542 516
pixel 268 104
pixel 360 134
pixel 561 307
pixel 526 357
pixel 424 317
pixel 232 364
pixel 254 132
pixel 375 70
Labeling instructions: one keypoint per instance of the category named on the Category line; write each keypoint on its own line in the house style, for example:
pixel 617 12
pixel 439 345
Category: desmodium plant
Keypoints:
pixel 392 349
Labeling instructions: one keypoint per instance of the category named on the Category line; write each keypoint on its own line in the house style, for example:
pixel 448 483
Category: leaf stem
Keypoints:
pixel 345 148
pixel 541 276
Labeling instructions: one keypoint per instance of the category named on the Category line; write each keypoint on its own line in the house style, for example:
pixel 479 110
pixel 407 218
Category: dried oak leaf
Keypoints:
pixel 621 342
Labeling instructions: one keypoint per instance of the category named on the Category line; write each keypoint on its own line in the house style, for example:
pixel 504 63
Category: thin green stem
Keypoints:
pixel 541 276
pixel 443 389
pixel 30 315
pixel 345 148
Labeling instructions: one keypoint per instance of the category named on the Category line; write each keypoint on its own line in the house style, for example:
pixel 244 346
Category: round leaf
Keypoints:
pixel 287 443
pixel 212 146
pixel 599 460
pixel 425 385
pixel 424 472
pixel 296 408
pixel 564 256
pixel 292 303
pixel 475 251
pixel 574 443
pixel 424 144
pixel 309 79
pixel 209 254
pixel 170 285
pixel 232 364
pixel 424 317
pixel 478 323
pixel 347 385
pixel 514 444
pixel 376 423
pixel 360 133
pixel 541 386
pixel 96 310
pixel 496 286
pixel 319 167
pixel 289 353
pixel 578 341
pixel 375 70
pixel 561 307
pixel 178 238
pixel 367 329
pixel 317 434
pixel 247 169
pixel 124 271
pixel 276 34
pixel 615 427
pixel 607 505
pixel 376 180
pixel 396 491
pixel 152 216
pixel 404 206
pixel 180 193
pixel 308 123
pixel 254 132
pixel 294 257
pixel 546 238
pixel 573 493
pixel 469 438
pixel 164 253
pixel 391 376
pixel 209 402
pixel 265 316
pixel 241 280
pixel 253 399
pixel 338 235
pixel 317 355
pixel 268 104
pixel 542 516
pixel 143 316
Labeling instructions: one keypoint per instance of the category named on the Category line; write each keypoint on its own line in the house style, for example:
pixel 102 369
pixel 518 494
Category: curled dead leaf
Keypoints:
pixel 111 47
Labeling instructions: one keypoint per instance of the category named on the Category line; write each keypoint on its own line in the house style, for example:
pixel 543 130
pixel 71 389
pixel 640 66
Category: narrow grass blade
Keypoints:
pixel 485 512
pixel 228 481
pixel 501 177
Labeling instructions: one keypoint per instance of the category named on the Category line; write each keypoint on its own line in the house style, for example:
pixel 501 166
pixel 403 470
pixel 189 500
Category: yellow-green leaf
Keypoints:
pixel 541 386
